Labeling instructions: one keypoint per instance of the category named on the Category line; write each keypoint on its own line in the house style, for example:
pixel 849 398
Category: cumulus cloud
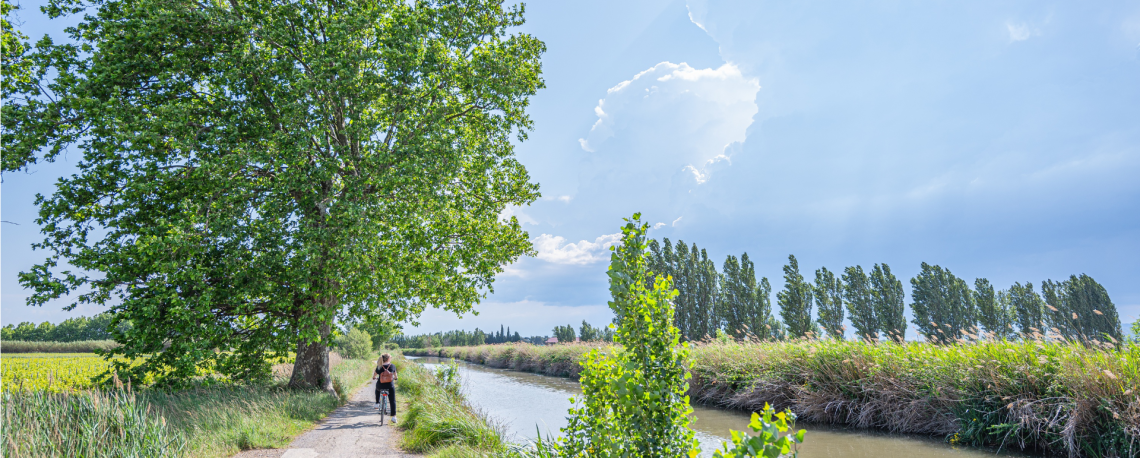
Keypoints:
pixel 555 249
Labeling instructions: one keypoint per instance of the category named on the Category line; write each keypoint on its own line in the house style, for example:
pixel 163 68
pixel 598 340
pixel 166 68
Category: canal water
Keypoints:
pixel 525 404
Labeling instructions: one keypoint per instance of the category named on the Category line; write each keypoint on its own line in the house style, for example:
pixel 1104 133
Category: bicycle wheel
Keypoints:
pixel 383 406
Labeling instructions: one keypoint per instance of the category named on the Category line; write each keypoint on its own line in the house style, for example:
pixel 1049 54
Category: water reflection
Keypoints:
pixel 526 404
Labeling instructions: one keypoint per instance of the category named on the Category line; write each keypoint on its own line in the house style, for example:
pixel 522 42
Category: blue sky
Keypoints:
pixel 996 139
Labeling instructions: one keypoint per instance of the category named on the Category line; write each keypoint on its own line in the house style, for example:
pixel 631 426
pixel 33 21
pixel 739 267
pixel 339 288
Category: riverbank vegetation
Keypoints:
pixel 1058 397
pixel 439 421
pixel 208 420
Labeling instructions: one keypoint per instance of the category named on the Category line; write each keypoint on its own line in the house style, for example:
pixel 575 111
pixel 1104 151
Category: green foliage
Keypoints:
pixel 995 312
pixel 744 307
pixel 70 330
pixel 588 333
pixel 1079 309
pixel 1029 310
pixel 777 436
pixel 564 334
pixel 634 395
pixel 943 305
pixel 795 300
pixel 860 303
pixel 356 344
pixel 260 169
pixel 888 299
pixel 828 293
pixel 696 280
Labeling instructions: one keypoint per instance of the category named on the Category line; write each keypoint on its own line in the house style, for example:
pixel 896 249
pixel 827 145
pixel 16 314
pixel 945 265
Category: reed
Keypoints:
pixel 1060 398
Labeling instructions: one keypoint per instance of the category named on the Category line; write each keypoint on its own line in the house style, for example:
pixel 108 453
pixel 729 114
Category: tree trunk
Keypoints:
pixel 311 368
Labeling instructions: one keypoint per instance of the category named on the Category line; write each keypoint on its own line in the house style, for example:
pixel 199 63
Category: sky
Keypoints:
pixel 996 139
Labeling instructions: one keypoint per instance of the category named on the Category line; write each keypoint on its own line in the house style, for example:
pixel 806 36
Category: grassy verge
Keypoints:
pixel 83 346
pixel 1060 398
pixel 439 421
pixel 211 421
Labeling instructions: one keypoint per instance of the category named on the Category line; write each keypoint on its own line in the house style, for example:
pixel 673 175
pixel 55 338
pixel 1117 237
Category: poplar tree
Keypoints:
pixel 943 305
pixel 1029 309
pixel 795 300
pixel 889 303
pixel 704 319
pixel 860 303
pixel 735 298
pixel 1080 309
pixel 760 320
pixel 828 293
pixel 994 312
pixel 686 288
pixel 254 170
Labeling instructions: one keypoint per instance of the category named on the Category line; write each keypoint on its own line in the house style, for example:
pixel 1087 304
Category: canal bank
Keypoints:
pixel 526 404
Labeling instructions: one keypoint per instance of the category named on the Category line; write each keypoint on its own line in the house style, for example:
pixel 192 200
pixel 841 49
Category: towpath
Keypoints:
pixel 352 431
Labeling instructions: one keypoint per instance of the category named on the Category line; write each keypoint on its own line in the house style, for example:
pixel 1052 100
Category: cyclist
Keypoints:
pixel 386 374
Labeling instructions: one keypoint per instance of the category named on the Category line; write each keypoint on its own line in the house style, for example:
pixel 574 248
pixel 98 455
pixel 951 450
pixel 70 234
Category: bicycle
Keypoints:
pixel 384 406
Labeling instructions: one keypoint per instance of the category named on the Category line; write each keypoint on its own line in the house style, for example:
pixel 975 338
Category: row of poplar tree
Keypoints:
pixel 944 307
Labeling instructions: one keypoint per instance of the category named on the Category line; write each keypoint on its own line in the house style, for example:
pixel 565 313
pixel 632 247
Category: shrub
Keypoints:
pixel 635 402
pixel 356 344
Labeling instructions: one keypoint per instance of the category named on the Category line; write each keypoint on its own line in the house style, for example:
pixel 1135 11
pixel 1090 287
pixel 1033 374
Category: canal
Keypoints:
pixel 525 404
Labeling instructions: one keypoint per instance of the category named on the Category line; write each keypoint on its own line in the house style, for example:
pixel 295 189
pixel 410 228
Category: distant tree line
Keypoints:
pixel 944 307
pixel 461 338
pixel 70 330
pixel 586 333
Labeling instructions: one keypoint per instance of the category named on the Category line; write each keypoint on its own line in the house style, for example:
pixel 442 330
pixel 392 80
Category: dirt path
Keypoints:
pixel 349 432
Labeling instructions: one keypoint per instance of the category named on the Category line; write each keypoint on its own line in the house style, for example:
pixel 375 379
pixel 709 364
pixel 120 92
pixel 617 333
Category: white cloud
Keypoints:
pixel 1019 31
pixel 554 249
pixel 517 212
pixel 677 221
pixel 671 117
pixel 659 225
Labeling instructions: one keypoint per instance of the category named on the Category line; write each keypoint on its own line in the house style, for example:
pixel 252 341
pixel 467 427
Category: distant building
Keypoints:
pixel 552 341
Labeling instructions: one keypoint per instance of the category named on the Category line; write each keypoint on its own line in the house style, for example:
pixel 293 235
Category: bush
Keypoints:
pixel 391 346
pixel 356 344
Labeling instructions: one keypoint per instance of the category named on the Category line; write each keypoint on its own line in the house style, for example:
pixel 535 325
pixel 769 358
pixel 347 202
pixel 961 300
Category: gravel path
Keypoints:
pixel 349 432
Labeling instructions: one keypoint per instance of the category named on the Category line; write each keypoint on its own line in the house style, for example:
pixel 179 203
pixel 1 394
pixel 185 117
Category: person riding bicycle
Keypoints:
pixel 385 376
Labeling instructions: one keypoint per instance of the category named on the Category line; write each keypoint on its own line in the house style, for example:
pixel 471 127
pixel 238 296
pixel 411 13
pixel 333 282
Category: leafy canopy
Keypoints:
pixel 254 170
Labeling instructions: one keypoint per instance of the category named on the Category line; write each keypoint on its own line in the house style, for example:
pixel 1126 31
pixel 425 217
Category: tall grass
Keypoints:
pixel 90 424
pixel 1055 397
pixel 83 346
pixel 439 421
pixel 210 421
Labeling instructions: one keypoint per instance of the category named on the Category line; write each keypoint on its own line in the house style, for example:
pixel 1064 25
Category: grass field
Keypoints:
pixel 49 409
pixel 1060 398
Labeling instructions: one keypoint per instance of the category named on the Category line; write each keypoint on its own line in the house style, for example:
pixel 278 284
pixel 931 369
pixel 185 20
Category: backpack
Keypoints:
pixel 385 374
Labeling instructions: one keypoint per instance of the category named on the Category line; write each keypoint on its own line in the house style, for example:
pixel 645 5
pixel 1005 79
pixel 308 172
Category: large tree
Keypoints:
pixel 860 303
pixel 889 302
pixel 828 293
pixel 255 169
pixel 1079 308
pixel 943 305
pixel 795 300
pixel 1028 308
pixel 994 312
